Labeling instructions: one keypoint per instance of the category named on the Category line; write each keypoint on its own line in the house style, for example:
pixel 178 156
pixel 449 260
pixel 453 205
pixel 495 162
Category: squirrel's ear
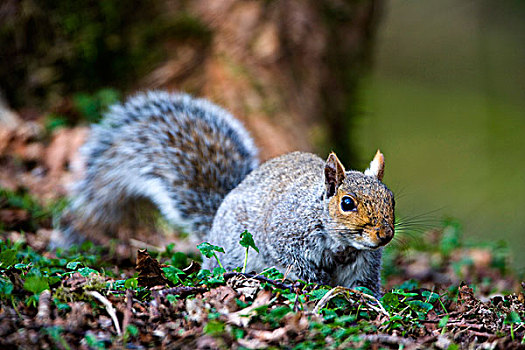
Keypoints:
pixel 334 174
pixel 377 166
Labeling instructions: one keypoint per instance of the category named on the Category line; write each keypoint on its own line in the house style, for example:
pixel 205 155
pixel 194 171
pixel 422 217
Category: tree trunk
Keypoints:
pixel 288 69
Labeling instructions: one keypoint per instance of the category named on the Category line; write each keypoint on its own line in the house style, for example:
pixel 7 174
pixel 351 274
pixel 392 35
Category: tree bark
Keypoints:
pixel 288 69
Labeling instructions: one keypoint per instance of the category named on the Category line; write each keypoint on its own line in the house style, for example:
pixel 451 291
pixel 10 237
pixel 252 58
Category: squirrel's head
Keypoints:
pixel 360 206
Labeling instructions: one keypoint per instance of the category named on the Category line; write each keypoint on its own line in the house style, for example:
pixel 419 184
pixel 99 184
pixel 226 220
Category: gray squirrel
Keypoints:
pixel 198 165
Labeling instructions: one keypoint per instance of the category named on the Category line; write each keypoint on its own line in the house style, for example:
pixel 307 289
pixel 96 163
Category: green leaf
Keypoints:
pixel 172 298
pixel 93 342
pixel 318 294
pixel 86 271
pixel 278 313
pixel 208 250
pixel 420 307
pixel 8 258
pixel 247 241
pixel 132 330
pixel 390 300
pixel 238 333
pixel 131 283
pixel 214 327
pixel 364 290
pixel 443 322
pixel 6 287
pixel 179 260
pixel 36 284
pixel 73 265
pixel 62 306
pixel 343 320
pixel 408 285
pixel 513 317
pixel 431 297
pixel 173 273
pixel 273 274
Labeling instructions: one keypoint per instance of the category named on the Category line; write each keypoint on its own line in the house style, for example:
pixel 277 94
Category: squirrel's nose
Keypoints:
pixel 384 234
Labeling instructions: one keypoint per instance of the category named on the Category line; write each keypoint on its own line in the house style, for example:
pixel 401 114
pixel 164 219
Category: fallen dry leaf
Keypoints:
pixel 149 269
pixel 243 317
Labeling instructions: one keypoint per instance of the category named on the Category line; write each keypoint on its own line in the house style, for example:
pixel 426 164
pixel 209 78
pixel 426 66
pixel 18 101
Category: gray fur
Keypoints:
pixel 182 154
pixel 284 206
pixel 198 166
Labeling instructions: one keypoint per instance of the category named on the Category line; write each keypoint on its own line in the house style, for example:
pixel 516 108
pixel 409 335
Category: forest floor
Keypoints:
pixel 440 291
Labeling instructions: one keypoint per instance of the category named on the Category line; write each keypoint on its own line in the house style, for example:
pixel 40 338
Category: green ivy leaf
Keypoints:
pixel 390 301
pixel 132 330
pixel 131 283
pixel 214 327
pixel 173 273
pixel 318 294
pixel 208 250
pixel 512 317
pixel 86 271
pixel 247 241
pixel 73 265
pixel 172 298
pixel 6 287
pixel 7 258
pixel 420 307
pixel 430 296
pixel 443 322
pixel 36 284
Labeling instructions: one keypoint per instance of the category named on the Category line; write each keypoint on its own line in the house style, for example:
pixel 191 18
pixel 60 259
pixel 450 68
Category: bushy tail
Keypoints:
pixel 182 155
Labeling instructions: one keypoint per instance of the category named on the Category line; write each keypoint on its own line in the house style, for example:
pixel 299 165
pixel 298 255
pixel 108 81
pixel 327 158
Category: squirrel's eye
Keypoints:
pixel 348 204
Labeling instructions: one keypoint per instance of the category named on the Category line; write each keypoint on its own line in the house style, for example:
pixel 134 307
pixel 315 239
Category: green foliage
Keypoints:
pixel 36 284
pixel 55 48
pixel 39 215
pixel 214 327
pixel 38 272
pixel 173 273
pixel 334 317
pixel 208 250
pixel 247 242
pixel 93 342
pixel 92 106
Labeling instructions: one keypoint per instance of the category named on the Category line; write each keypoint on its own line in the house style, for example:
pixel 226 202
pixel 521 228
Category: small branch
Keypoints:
pixel 109 308
pixel 260 278
pixel 386 338
pixel 481 334
pixel 324 300
pixel 465 325
pixel 182 291
pixel 127 312
pixel 374 299
pixel 341 290
pixel 42 317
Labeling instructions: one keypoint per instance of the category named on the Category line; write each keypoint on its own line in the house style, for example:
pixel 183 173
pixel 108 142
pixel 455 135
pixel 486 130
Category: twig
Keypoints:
pixel 386 338
pixel 42 317
pixel 480 334
pixel 341 290
pixel 260 278
pixel 182 291
pixel 465 325
pixel 109 308
pixel 153 309
pixel 324 300
pixel 127 312
pixel 374 299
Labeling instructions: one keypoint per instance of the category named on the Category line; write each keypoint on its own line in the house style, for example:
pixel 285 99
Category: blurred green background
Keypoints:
pixel 446 104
